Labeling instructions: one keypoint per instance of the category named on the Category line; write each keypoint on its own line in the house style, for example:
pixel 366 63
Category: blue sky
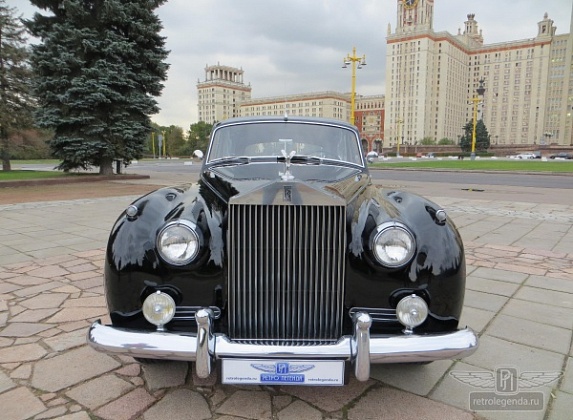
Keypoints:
pixel 297 46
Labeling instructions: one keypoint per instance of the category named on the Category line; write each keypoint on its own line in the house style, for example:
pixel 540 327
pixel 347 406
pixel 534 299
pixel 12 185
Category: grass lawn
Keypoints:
pixel 533 165
pixel 18 175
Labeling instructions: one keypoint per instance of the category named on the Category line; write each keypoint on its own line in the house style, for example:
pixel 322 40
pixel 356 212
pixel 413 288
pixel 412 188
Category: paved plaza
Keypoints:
pixel 519 299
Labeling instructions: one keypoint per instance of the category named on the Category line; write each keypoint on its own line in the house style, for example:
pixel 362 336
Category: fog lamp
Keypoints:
pixel 159 309
pixel 411 312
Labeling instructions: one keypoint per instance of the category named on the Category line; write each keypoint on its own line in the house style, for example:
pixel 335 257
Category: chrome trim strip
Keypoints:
pixel 187 313
pixel 383 349
pixel 225 348
pixel 386 315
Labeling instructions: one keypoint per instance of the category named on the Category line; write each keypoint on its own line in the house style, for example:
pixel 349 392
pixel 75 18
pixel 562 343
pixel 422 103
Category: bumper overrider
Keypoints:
pixel 361 349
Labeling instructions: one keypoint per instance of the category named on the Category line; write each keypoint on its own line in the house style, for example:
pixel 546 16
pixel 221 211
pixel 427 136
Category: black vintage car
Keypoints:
pixel 284 264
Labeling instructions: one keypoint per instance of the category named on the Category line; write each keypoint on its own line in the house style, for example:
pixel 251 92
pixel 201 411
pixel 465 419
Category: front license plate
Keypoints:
pixel 283 372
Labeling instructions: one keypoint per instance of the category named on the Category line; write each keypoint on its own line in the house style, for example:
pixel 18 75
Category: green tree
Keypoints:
pixel 16 100
pixel 99 66
pixel 446 141
pixel 482 137
pixel 199 136
pixel 175 141
pixel 427 141
pixel 172 137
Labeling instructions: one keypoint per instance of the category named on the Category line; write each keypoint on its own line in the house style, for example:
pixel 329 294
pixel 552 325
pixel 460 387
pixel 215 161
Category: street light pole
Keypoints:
pixel 479 92
pixel 398 142
pixel 361 62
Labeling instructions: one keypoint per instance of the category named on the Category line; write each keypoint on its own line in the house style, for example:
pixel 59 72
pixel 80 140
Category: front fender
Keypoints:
pixel 133 263
pixel 436 271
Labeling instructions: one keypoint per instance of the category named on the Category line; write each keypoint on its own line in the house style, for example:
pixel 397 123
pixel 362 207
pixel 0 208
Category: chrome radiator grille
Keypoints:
pixel 286 273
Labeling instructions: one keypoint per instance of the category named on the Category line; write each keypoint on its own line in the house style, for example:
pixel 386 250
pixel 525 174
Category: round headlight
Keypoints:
pixel 412 311
pixel 178 242
pixel 393 245
pixel 159 308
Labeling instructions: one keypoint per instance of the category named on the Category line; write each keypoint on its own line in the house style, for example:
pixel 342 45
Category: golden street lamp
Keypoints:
pixel 479 92
pixel 353 59
pixel 399 122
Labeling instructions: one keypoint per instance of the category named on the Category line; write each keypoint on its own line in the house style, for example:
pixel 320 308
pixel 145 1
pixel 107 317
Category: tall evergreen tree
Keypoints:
pixel 99 66
pixel 482 137
pixel 16 101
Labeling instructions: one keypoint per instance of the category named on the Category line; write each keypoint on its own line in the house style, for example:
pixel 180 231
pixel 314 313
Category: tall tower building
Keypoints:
pixel 221 93
pixel 559 105
pixel 431 78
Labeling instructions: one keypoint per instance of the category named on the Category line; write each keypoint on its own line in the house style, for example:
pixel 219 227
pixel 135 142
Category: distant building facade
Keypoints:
pixel 432 77
pixel 221 93
pixel 369 119
pixel 368 113
pixel 319 104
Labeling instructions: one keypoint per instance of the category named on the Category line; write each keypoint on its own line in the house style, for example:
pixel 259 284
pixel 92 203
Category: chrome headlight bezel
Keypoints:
pixel 399 236
pixel 188 233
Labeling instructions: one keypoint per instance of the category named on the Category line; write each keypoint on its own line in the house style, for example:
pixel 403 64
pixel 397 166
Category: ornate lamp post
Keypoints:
pixel 353 59
pixel 479 92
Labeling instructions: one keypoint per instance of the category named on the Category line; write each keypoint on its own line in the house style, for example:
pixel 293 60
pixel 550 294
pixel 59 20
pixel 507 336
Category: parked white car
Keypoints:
pixel 526 156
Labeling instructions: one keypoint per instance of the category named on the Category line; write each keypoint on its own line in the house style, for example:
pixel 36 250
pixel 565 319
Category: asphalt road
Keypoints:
pixel 537 180
pixel 523 187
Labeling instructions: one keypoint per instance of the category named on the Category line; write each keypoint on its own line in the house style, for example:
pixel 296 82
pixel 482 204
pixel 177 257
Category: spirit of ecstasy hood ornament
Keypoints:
pixel 286 175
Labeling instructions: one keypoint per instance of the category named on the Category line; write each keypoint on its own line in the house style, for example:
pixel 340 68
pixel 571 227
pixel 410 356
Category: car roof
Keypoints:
pixel 286 117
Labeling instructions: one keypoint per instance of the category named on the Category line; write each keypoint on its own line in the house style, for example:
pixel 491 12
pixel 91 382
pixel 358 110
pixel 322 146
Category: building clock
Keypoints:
pixel 409 4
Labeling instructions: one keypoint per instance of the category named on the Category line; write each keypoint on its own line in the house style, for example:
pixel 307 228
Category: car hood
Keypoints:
pixel 341 181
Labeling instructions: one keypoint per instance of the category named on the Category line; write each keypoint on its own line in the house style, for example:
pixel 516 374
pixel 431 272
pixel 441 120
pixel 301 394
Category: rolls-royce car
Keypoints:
pixel 284 264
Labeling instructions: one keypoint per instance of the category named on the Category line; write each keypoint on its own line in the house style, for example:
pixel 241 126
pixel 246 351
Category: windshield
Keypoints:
pixel 271 138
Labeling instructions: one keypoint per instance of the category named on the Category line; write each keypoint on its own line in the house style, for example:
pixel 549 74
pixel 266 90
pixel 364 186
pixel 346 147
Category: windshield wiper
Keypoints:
pixel 231 161
pixel 304 160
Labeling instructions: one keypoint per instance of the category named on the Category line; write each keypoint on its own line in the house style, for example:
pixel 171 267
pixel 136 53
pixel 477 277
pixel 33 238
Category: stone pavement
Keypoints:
pixel 519 299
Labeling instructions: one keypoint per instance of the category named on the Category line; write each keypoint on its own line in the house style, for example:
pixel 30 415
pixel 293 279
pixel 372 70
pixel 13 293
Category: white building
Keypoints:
pixel 432 77
pixel 221 93
pixel 319 104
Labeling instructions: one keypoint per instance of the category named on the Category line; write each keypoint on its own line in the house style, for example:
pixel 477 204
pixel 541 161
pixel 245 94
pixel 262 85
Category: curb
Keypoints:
pixel 69 180
pixel 481 171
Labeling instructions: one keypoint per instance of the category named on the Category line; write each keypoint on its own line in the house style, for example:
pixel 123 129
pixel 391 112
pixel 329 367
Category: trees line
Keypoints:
pixel 90 83
pixel 85 93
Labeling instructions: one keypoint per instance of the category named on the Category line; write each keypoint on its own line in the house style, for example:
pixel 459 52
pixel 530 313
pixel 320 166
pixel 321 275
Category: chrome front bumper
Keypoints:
pixel 205 347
